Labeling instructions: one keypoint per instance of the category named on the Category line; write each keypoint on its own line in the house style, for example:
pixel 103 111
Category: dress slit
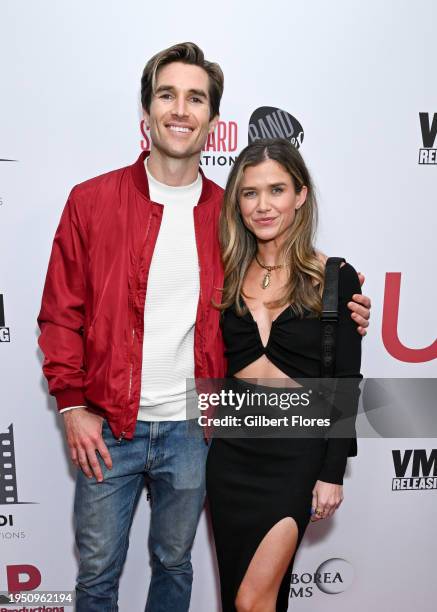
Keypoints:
pixel 251 557
pixel 245 506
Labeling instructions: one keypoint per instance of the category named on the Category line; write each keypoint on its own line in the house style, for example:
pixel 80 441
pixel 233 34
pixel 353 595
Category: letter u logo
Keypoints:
pixel 390 318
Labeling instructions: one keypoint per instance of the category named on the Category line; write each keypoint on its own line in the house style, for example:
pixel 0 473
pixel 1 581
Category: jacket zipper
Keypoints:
pixel 131 367
pixel 123 433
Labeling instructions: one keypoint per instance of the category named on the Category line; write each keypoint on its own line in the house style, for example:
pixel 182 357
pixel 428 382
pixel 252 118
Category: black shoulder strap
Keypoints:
pixel 329 318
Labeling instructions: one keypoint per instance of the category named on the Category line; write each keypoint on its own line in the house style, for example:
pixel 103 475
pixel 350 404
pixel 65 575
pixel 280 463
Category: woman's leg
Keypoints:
pixel 259 588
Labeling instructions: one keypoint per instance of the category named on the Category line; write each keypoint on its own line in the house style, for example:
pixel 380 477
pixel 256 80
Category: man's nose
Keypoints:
pixel 180 106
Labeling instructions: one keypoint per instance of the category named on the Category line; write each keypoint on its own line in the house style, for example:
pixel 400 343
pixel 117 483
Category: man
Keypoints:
pixel 116 359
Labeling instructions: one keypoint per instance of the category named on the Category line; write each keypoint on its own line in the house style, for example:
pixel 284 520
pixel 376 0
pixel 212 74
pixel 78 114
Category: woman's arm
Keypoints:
pixel 328 490
pixel 347 366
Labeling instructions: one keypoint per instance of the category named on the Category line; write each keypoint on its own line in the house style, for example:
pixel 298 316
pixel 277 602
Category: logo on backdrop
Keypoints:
pixel 9 487
pixel 220 147
pixel 272 122
pixel 23 578
pixel 390 335
pixel 4 331
pixel 220 144
pixel 331 577
pixel 428 127
pixel 8 473
pixel 415 469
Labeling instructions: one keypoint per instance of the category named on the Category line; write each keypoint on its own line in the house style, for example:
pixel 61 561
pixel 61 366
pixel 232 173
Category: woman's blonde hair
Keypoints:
pixel 304 286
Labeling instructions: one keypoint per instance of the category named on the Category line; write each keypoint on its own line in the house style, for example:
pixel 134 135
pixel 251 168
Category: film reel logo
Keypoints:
pixel 8 473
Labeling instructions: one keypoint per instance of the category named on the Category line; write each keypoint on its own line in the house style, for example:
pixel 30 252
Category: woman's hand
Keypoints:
pixel 327 497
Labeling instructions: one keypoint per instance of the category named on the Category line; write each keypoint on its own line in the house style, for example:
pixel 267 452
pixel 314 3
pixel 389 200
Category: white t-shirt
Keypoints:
pixel 171 305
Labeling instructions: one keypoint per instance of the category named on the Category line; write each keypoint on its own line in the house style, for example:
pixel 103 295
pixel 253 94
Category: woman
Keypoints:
pixel 262 492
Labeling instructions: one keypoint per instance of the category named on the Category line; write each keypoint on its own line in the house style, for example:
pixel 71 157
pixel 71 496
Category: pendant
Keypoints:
pixel 266 280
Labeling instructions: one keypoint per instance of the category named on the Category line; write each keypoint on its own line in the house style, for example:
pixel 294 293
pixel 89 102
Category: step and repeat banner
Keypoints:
pixel 352 85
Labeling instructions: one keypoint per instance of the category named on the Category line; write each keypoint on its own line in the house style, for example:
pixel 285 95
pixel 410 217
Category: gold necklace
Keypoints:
pixel 266 280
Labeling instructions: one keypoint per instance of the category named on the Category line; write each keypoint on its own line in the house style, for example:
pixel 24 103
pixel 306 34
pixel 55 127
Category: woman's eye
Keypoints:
pixel 249 194
pixel 277 190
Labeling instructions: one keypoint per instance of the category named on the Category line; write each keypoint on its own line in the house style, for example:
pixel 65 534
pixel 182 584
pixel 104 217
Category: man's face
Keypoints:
pixel 179 111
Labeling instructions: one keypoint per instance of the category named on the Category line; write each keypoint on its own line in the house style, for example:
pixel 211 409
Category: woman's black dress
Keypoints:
pixel 253 483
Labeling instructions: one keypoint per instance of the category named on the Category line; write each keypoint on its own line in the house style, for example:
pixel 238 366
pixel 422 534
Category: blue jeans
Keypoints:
pixel 173 460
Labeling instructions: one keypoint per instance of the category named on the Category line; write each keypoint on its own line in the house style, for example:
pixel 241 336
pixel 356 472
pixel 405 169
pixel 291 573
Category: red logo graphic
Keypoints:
pixel 223 139
pixel 390 326
pixel 145 143
pixel 22 578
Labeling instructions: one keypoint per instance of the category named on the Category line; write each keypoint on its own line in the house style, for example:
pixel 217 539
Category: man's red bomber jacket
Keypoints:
pixel 92 310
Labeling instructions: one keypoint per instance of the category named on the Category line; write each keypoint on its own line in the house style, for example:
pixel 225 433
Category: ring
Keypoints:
pixel 318 512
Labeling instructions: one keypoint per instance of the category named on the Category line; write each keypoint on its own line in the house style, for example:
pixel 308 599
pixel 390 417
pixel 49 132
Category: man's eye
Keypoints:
pixel 195 99
pixel 165 96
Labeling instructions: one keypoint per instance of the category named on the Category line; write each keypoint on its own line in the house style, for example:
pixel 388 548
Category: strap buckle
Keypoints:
pixel 330 315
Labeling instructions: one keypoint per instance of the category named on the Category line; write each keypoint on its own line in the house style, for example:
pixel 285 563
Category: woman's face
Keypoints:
pixel 268 200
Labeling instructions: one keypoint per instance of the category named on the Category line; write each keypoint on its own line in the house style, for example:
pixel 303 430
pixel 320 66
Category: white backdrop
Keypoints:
pixel 355 75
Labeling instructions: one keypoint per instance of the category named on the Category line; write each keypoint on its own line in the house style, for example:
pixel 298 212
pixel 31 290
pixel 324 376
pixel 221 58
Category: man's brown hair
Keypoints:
pixel 187 53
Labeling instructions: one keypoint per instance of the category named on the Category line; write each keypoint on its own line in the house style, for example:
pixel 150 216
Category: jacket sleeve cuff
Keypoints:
pixel 70 408
pixel 332 474
pixel 333 468
pixel 70 397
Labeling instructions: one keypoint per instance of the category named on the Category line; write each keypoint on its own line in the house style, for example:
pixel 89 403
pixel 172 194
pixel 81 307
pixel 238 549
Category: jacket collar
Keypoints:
pixel 141 183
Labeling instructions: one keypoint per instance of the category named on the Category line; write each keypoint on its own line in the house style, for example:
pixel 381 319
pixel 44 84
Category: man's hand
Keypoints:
pixel 360 308
pixel 84 436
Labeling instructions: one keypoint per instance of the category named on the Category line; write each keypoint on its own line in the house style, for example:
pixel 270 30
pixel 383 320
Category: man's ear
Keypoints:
pixel 146 118
pixel 213 124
